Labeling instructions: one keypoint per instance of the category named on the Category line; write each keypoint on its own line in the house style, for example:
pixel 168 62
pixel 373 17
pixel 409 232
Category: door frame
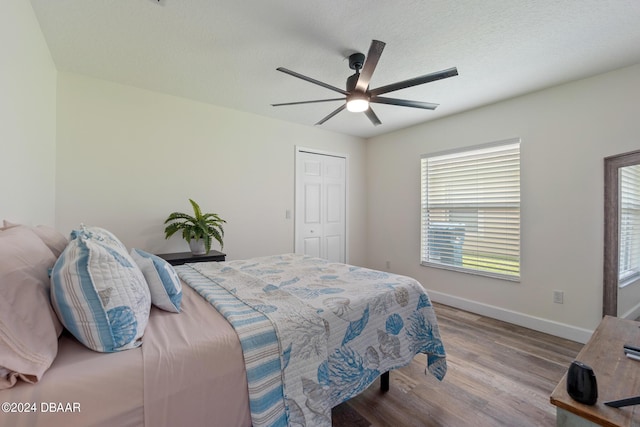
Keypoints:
pixel 296 217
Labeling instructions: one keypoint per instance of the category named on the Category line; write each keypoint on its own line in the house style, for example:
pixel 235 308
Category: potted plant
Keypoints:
pixel 197 230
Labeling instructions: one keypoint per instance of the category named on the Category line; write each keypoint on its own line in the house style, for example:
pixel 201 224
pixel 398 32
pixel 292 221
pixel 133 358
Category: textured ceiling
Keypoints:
pixel 225 52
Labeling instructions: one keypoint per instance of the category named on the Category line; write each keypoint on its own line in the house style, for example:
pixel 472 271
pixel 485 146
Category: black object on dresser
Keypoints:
pixel 179 258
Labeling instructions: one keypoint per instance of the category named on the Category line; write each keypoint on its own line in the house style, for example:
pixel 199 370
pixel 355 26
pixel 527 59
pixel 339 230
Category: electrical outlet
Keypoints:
pixel 558 297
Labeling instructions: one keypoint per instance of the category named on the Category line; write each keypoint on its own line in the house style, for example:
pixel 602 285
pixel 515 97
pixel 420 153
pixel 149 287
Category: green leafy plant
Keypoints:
pixel 200 226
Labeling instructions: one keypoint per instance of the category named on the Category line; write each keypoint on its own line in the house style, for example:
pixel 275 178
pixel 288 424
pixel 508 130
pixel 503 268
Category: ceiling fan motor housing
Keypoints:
pixel 356 61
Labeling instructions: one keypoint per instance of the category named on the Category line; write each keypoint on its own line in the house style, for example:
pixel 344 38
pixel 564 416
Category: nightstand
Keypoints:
pixel 179 258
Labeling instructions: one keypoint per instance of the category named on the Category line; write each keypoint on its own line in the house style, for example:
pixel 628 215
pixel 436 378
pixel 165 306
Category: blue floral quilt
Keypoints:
pixel 316 333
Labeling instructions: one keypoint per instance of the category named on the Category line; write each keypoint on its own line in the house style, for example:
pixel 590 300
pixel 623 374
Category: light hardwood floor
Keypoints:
pixel 498 374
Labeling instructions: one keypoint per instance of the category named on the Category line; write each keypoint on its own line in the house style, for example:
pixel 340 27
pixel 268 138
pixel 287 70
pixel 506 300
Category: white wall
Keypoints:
pixel 566 132
pixel 128 157
pixel 629 301
pixel 27 118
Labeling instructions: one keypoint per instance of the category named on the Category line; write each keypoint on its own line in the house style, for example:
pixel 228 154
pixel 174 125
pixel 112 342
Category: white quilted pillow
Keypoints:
pixel 163 281
pixel 99 293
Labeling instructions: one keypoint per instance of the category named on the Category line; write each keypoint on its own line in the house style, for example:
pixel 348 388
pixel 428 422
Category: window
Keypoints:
pixel 629 223
pixel 471 210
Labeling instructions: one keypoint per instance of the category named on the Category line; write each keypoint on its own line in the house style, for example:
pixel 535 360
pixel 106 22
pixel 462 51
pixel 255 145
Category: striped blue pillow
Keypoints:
pixel 163 281
pixel 99 293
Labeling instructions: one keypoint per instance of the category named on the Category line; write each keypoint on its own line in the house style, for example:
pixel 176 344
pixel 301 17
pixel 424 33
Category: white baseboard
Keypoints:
pixel 562 330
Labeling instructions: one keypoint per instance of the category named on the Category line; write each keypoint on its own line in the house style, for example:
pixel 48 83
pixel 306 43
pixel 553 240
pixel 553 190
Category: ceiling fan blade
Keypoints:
pixel 375 50
pixel 372 116
pixel 307 102
pixel 333 113
pixel 403 102
pixel 314 81
pixel 438 75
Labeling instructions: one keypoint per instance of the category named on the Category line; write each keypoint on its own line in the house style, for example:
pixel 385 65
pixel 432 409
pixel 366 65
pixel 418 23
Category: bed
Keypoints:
pixel 276 340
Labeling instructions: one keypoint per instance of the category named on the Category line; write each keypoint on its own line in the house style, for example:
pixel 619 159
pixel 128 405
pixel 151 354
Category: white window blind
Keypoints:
pixel 471 210
pixel 629 251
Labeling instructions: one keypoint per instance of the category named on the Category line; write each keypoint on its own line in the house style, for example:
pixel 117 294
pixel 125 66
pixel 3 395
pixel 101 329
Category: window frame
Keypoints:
pixel 631 273
pixel 612 166
pixel 423 222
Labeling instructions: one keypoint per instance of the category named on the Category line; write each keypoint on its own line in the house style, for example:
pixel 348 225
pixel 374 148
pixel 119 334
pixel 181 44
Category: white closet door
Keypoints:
pixel 320 206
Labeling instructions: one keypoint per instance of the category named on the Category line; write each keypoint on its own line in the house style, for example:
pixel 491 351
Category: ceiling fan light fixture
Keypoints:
pixel 357 103
pixel 357 93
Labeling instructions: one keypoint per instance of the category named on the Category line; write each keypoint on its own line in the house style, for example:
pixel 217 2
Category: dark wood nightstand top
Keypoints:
pixel 179 258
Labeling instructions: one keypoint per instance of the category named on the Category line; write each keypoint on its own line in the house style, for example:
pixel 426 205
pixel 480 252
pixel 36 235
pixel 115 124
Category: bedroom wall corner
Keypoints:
pixel 27 118
pixel 127 157
pixel 564 142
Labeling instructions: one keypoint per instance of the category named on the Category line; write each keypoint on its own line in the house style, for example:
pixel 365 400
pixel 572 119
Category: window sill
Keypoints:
pixel 633 280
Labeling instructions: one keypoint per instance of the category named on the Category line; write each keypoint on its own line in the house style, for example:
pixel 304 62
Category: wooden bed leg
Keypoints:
pixel 384 382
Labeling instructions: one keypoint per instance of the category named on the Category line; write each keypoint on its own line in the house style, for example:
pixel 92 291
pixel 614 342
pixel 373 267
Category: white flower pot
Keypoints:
pixel 197 247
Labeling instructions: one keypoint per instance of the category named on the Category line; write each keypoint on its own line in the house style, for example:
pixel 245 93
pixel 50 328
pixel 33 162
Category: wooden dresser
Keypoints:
pixel 618 377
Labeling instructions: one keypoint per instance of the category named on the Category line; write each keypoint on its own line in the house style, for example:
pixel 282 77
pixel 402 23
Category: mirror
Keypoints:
pixel 619 301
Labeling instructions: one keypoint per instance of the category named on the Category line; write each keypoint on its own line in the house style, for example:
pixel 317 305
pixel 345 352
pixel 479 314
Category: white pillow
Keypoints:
pixel 99 293
pixel 163 281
